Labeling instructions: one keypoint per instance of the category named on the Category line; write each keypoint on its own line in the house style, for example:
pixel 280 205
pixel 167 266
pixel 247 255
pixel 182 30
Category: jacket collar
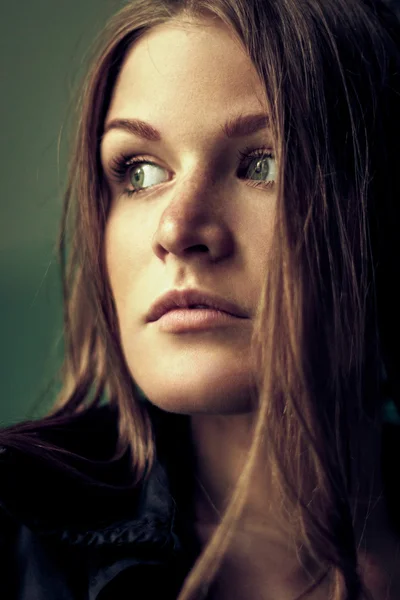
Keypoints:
pixel 83 498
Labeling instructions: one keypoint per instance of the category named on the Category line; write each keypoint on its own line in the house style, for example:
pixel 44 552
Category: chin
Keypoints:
pixel 204 374
pixel 219 396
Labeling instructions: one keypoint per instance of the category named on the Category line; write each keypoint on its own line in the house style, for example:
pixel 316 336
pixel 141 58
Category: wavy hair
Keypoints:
pixel 329 316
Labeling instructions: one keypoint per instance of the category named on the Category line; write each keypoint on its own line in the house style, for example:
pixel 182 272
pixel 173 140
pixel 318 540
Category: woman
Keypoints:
pixel 229 251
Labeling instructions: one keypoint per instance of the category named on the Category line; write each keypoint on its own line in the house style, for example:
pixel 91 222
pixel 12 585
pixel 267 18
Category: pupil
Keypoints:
pixel 138 176
pixel 261 169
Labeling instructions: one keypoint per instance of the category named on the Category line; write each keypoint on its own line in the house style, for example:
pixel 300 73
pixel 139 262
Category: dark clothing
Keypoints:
pixel 72 526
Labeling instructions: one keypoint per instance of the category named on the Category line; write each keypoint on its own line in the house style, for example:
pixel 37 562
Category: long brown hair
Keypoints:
pixel 329 316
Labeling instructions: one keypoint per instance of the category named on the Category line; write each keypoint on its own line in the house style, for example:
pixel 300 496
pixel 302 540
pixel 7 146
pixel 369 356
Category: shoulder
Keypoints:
pixel 80 433
pixel 69 512
pixel 64 470
pixel 70 475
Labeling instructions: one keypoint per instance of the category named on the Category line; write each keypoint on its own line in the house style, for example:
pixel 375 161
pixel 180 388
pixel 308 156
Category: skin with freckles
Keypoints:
pixel 198 223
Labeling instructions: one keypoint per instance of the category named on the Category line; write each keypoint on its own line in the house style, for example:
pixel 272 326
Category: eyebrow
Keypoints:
pixel 235 127
pixel 245 125
pixel 136 127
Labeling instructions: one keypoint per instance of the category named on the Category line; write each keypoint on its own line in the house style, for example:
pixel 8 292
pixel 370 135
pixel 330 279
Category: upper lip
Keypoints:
pixel 186 298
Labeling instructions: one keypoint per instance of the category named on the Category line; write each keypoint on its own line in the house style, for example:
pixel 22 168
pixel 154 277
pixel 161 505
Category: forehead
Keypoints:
pixel 181 72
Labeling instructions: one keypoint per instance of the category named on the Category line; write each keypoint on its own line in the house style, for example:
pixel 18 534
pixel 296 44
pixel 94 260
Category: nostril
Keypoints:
pixel 198 248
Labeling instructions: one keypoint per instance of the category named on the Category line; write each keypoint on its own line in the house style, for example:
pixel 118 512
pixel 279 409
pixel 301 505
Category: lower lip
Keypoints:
pixel 195 319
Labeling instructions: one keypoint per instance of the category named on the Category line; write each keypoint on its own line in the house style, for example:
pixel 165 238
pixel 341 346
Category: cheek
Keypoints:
pixel 124 255
pixel 255 227
pixel 116 261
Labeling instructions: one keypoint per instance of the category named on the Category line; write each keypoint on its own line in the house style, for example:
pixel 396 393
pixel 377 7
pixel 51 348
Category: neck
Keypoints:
pixel 221 444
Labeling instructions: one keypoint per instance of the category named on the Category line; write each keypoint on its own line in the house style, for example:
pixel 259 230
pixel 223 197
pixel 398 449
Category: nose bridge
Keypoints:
pixel 193 197
pixel 193 216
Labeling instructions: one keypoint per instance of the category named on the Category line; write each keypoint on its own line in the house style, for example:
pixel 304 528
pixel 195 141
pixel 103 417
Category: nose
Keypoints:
pixel 194 223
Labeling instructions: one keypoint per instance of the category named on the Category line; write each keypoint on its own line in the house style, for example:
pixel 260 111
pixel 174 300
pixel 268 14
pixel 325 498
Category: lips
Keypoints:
pixel 176 299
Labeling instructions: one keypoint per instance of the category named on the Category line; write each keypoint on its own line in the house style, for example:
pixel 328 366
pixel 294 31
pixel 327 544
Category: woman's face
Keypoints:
pixel 193 205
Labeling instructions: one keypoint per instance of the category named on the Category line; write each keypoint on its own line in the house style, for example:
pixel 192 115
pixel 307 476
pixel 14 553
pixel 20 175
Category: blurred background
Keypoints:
pixel 43 44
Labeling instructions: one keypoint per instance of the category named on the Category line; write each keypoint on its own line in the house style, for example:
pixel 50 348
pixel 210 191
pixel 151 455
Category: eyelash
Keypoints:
pixel 122 163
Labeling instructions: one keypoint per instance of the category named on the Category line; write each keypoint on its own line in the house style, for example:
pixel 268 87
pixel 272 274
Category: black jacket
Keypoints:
pixel 72 527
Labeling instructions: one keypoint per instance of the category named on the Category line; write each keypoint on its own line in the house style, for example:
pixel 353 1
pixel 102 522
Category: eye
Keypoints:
pixel 143 175
pixel 258 166
pixel 137 173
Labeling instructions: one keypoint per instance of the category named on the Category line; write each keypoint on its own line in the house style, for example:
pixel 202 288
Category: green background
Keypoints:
pixel 42 46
